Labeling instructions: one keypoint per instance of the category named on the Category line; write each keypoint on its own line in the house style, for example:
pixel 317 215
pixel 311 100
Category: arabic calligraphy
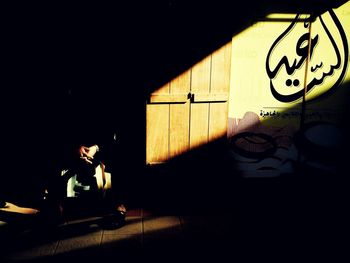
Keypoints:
pixel 312 115
pixel 287 73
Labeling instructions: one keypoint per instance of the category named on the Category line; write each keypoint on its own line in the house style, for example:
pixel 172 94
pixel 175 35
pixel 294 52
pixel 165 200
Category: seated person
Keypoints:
pixel 84 186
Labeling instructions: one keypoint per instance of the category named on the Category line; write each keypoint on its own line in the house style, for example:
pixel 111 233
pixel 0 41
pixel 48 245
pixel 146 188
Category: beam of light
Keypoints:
pixel 275 64
pixel 250 88
pixel 96 239
pixel 190 110
pixel 175 122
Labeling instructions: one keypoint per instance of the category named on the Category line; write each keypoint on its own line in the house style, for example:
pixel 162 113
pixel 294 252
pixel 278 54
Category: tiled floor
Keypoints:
pixel 145 236
pixel 275 222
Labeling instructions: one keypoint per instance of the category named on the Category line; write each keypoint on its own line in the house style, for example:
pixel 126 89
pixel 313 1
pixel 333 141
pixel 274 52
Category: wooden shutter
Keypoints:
pixel 190 110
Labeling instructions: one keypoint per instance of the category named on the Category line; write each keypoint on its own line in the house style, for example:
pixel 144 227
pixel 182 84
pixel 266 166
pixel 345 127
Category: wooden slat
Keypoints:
pixel 217 120
pixel 179 116
pixel 200 111
pixel 157 130
pixel 169 98
pixel 200 79
pixel 199 124
pixel 220 83
pixel 210 97
pixel 220 71
pixel 174 123
pixel 165 89
pixel 157 142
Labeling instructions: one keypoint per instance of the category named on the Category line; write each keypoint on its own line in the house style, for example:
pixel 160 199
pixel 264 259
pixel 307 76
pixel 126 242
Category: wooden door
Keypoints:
pixel 190 110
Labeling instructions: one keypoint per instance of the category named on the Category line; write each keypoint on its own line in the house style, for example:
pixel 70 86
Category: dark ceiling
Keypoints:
pixel 140 44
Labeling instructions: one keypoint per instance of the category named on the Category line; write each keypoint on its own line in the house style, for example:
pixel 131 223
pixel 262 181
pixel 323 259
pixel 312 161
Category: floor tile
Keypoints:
pixel 35 252
pixel 133 226
pixel 161 224
pixel 83 242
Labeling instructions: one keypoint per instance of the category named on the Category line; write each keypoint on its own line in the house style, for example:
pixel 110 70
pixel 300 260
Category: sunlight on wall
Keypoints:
pixel 250 85
pixel 273 127
pixel 265 73
pixel 269 66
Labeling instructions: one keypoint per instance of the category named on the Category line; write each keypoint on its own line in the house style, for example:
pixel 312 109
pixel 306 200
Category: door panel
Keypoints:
pixel 191 110
pixel 157 132
pixel 217 120
pixel 179 116
pixel 200 111
pixel 219 89
pixel 220 70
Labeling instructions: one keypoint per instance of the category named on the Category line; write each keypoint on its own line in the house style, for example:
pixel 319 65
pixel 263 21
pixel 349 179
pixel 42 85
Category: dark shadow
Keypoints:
pixel 299 211
pixel 112 57
pixel 173 242
pixel 107 59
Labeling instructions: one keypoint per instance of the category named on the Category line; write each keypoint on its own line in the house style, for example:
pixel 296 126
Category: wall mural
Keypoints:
pixel 332 66
pixel 273 130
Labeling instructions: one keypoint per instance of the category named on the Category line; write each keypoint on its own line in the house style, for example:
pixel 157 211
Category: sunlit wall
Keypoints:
pixel 288 91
